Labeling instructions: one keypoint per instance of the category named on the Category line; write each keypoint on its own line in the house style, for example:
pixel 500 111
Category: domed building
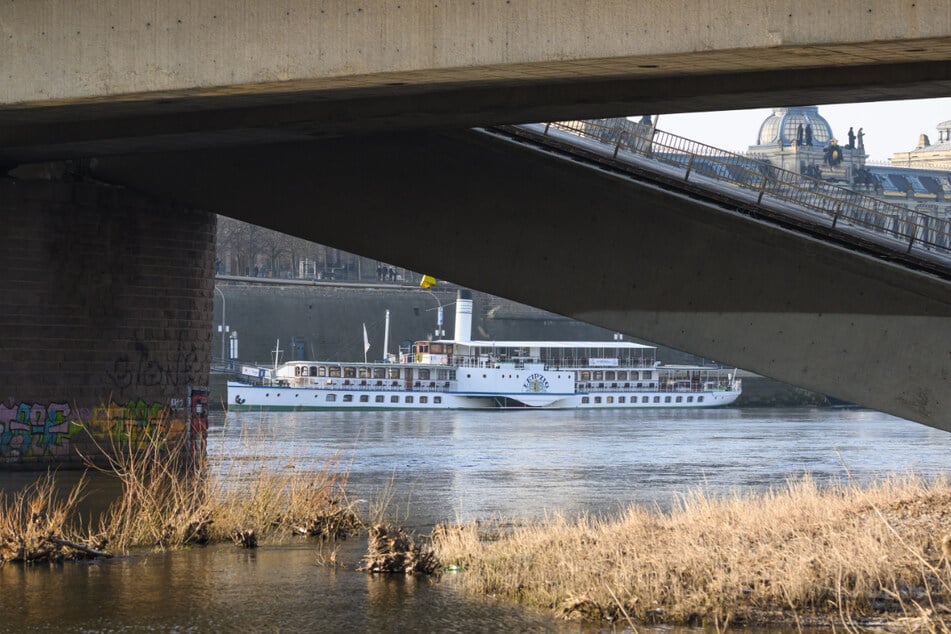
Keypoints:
pixel 799 139
pixel 801 125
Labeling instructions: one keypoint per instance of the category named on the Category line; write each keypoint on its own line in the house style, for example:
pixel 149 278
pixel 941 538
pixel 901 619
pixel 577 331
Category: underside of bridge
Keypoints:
pixel 348 125
pixel 501 217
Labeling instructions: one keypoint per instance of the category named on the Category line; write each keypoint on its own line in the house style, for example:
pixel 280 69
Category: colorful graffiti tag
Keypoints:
pixel 34 430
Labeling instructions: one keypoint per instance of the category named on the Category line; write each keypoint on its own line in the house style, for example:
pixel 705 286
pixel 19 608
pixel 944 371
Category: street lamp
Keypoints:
pixel 439 315
pixel 223 328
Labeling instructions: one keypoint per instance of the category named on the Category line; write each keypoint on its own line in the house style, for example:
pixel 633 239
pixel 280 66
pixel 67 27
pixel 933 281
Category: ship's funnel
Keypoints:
pixel 464 316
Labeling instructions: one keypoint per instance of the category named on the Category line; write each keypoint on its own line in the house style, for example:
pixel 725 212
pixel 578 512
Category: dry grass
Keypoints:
pixel 169 502
pixel 36 524
pixel 800 555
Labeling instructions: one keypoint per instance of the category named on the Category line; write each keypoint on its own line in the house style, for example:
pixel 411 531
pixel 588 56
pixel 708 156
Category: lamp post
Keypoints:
pixel 439 315
pixel 223 328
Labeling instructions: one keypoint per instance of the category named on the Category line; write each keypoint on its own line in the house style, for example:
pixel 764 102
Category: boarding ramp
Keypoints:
pixel 752 186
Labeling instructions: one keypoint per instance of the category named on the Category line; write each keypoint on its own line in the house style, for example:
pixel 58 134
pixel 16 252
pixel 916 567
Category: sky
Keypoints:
pixel 889 126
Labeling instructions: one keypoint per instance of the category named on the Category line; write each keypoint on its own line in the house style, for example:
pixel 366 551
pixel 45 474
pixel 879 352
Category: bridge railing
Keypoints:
pixel 801 198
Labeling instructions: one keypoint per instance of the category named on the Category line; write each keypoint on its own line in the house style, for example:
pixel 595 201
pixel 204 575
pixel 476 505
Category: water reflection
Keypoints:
pixel 477 465
pixel 445 465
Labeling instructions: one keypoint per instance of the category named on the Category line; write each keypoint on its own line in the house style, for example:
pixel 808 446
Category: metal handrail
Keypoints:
pixel 781 192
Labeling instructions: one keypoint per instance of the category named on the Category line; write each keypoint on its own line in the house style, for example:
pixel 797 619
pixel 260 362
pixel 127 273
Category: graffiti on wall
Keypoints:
pixel 33 430
pixel 142 369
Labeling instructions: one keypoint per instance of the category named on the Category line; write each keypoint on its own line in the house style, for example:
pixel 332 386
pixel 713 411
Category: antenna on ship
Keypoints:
pixel 386 335
pixel 277 354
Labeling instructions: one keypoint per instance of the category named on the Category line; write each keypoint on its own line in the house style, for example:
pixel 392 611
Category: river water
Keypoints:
pixel 438 466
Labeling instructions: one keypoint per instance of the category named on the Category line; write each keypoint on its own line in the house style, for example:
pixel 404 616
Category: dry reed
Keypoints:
pixel 804 554
pixel 36 524
pixel 170 501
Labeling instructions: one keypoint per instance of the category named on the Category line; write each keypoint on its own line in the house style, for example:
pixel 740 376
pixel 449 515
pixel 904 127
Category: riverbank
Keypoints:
pixel 800 556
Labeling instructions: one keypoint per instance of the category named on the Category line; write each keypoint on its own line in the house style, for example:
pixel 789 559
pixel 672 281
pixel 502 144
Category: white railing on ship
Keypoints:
pixel 785 193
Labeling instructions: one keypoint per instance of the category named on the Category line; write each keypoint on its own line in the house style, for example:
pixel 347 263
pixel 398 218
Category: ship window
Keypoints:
pixel 409 399
pixel 379 398
pixel 423 373
pixel 657 399
pixel 680 399
pixel 609 376
pixel 690 399
pixel 322 370
pixel 379 373
pixel 437 399
pixel 640 385
pixel 585 375
pixel 331 397
pixel 436 348
pixel 349 373
pixel 442 374
pixel 598 375
pixel 423 399
pixel 622 376
pixel 364 398
pixel 622 399
pixel 364 373
pixel 296 370
pixel 296 394
pixel 610 399
pixel 334 372
pixel 313 370
pixel 644 399
pixel 394 399
pixel 468 376
pixel 699 399
pixel 597 399
pixel 452 375
pixel 347 398
pixel 393 373
pixel 666 399
pixel 585 400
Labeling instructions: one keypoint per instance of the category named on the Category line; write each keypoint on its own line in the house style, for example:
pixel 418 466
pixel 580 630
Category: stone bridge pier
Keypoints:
pixel 107 300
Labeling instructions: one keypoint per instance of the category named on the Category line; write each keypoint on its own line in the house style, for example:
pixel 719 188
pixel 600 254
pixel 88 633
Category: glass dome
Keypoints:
pixel 786 121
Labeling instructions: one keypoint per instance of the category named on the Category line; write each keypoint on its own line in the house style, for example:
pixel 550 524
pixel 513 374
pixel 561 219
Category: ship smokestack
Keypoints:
pixel 463 316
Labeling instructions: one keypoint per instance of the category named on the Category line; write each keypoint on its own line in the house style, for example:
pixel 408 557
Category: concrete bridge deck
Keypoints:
pixel 82 78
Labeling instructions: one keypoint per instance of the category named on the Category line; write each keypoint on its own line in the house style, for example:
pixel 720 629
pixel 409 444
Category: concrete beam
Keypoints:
pixel 580 242
pixel 83 78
